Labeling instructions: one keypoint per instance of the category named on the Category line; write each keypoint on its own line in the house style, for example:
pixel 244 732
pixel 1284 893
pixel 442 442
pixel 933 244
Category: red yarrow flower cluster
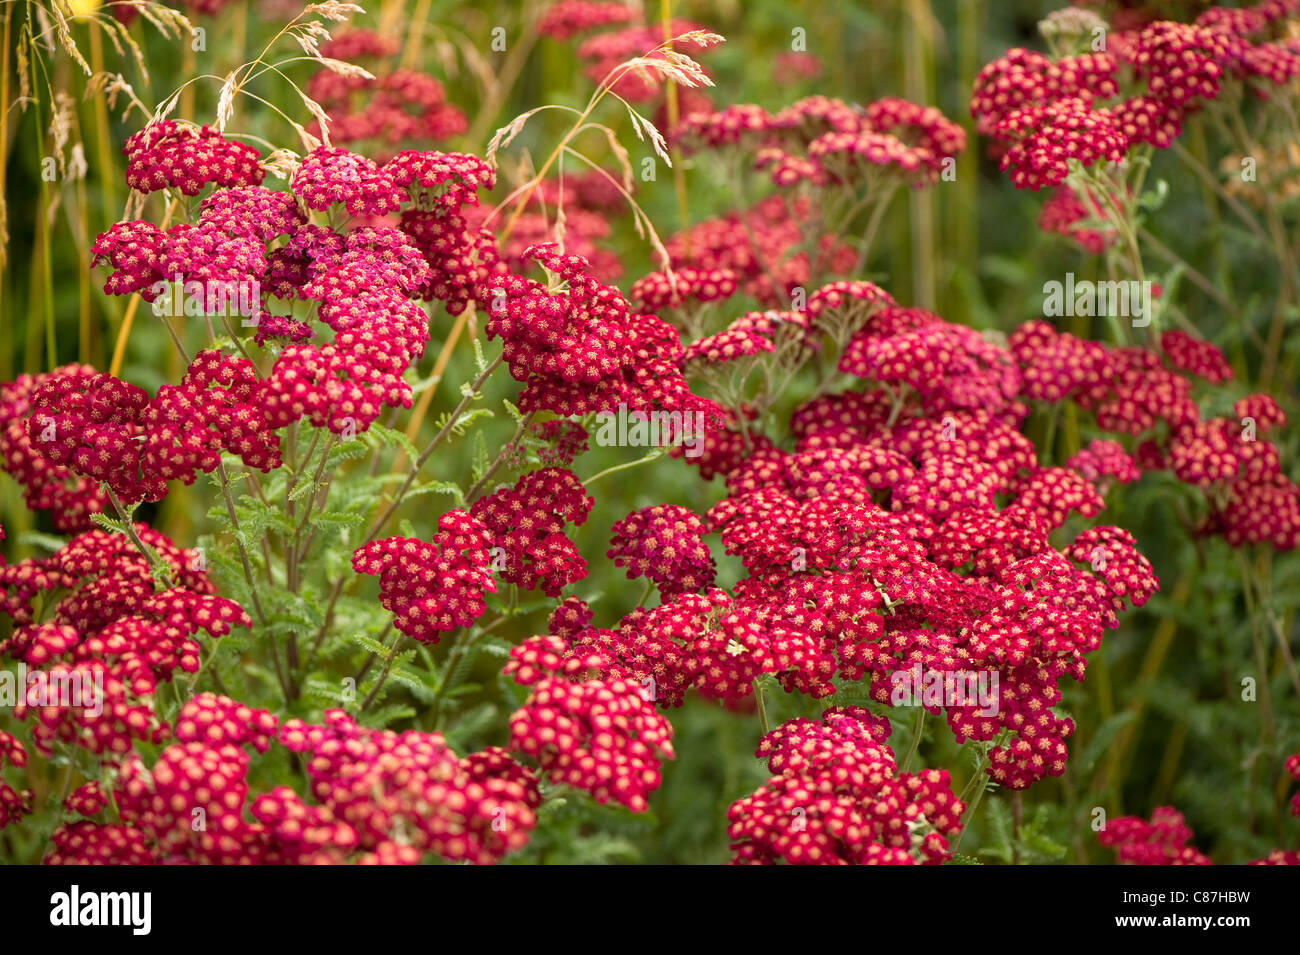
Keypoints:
pixel 331 174
pixel 1064 214
pixel 391 105
pixel 762 246
pixel 562 441
pixel 1022 78
pixel 1160 841
pixel 880 544
pixel 599 735
pixel 380 798
pixel 945 365
pixel 216 407
pixel 69 497
pixel 181 156
pixel 830 143
pixel 13 804
pixel 526 526
pixel 751 335
pixel 396 796
pixel 114 631
pixel 582 349
pixel 1044 139
pixel 1149 396
pixel 563 20
pixel 1104 463
pixel 92 424
pixel 836 798
pixel 432 587
pixel 660 290
pixel 664 542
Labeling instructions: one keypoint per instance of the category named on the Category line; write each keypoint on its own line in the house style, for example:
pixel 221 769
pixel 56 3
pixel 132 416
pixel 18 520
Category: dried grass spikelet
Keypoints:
pixel 310 36
pixel 343 68
pixel 332 10
pixel 321 117
pixel 620 154
pixel 282 163
pixel 61 128
pixel 663 61
pixel 226 100
pixel 77 166
pixel 24 73
pixel 651 133
pixel 122 41
pixel 111 86
pixel 504 136
pixel 64 33
pixel 168 21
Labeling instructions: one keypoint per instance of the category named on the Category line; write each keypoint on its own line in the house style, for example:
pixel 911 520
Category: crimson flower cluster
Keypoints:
pixel 391 106
pixel 945 365
pixel 380 797
pixel 880 544
pixel 112 630
pixel 562 441
pixel 526 525
pixel 1095 107
pixel 564 20
pixel 1161 841
pixel 177 155
pixel 69 497
pixel 1071 214
pixel 13 804
pixel 664 542
pixel 751 335
pixel 364 281
pixel 828 143
pixel 432 587
pixel 1164 838
pixel 396 796
pixel 605 52
pixel 111 431
pixel 763 248
pixel 836 797
pixel 596 734
pixel 586 203
pixel 579 348
pixel 1148 396
pixel 661 290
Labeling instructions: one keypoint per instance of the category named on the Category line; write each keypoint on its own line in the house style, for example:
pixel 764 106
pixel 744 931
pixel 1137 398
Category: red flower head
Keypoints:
pixel 432 587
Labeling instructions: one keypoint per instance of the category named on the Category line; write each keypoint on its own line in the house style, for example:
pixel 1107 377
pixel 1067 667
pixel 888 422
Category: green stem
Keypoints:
pixel 914 746
pixel 656 453
pixel 980 780
pixel 383 674
pixel 481 484
pixel 470 394
pixel 761 700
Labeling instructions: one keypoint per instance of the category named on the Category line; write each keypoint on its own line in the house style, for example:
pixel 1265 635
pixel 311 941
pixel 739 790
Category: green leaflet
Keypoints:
pixel 349 450
pixel 391 437
pixel 337 519
pixel 48 541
